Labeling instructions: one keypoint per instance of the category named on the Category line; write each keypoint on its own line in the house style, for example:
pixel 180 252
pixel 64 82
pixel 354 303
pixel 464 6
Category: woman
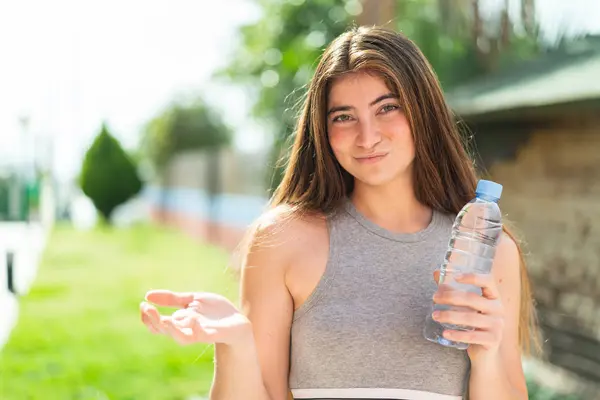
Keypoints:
pixel 337 277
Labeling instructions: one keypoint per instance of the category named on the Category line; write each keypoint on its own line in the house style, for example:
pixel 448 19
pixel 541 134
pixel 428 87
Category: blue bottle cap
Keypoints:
pixel 489 189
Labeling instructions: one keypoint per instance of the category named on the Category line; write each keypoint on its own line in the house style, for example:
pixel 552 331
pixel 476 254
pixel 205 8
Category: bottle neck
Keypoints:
pixel 487 198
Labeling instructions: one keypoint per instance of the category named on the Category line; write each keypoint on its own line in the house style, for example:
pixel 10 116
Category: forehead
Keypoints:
pixel 356 87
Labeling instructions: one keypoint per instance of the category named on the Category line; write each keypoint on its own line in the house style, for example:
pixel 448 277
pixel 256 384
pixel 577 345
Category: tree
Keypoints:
pixel 464 40
pixel 108 175
pixel 182 127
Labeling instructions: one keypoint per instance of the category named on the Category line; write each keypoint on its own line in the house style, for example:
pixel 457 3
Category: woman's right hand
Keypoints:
pixel 199 318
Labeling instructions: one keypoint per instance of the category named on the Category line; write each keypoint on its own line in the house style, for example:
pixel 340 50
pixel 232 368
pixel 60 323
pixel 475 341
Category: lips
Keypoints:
pixel 371 157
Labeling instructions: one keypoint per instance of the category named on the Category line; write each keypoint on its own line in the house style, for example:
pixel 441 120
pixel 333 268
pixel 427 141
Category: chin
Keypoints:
pixel 374 179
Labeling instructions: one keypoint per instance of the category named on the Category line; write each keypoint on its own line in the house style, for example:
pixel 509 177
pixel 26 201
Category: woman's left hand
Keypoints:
pixel 486 314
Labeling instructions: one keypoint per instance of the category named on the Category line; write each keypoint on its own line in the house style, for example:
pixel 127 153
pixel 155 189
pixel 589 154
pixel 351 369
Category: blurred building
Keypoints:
pixel 213 195
pixel 537 131
pixel 27 211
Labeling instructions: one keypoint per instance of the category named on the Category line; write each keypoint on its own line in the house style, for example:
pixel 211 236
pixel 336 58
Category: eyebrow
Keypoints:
pixel 371 104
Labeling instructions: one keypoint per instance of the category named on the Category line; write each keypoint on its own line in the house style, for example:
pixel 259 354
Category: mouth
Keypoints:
pixel 371 158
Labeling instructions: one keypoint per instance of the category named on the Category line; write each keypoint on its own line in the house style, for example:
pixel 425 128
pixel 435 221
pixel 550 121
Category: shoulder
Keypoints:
pixel 508 253
pixel 283 233
pixel 275 247
pixel 506 268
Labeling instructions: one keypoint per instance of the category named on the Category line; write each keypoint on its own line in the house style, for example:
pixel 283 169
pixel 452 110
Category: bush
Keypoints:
pixel 108 175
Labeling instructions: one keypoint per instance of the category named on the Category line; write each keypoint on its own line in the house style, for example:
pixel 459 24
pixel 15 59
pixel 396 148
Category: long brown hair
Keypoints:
pixel 444 173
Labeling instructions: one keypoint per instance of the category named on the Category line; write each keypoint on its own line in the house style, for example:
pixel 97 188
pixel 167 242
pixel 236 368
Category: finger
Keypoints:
pixel 436 276
pixel 484 338
pixel 471 319
pixel 461 298
pixel 167 298
pixel 187 313
pixel 149 324
pixel 153 313
pixel 198 305
pixel 183 336
pixel 485 281
pixel 198 325
pixel 150 317
pixel 190 330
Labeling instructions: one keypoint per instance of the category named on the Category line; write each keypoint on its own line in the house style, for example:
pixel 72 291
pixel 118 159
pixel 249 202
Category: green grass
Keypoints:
pixel 79 334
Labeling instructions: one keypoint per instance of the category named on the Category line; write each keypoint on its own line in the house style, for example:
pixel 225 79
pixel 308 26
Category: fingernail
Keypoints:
pixel 435 315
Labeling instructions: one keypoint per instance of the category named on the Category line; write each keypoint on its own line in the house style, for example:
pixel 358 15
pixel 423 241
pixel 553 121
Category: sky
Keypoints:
pixel 68 65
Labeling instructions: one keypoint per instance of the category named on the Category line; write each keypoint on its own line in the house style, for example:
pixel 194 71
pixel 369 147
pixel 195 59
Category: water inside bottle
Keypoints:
pixel 471 249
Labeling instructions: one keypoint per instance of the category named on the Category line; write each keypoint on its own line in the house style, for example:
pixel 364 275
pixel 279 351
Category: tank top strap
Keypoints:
pixel 336 222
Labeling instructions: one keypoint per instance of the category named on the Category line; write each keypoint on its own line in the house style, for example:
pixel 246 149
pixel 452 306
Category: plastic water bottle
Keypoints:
pixel 471 249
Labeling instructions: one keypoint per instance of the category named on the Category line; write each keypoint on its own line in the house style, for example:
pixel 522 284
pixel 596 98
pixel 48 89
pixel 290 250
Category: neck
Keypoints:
pixel 393 206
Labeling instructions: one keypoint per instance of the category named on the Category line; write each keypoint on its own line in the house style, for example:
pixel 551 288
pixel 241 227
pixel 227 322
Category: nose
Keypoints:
pixel 369 135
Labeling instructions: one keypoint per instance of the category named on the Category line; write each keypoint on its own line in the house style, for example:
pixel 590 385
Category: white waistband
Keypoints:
pixel 370 393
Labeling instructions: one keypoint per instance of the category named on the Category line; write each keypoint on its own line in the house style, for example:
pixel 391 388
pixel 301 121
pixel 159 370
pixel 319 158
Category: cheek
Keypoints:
pixel 339 141
pixel 406 139
pixel 401 134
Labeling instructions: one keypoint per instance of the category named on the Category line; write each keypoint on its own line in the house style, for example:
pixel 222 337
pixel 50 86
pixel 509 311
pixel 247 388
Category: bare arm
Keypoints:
pixel 500 374
pixel 496 371
pixel 257 369
pixel 237 373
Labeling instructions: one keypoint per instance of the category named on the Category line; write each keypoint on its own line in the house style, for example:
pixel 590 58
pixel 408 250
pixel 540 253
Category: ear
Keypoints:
pixel 436 276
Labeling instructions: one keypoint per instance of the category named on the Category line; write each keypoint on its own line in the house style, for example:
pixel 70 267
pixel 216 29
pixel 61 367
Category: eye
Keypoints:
pixel 341 118
pixel 389 108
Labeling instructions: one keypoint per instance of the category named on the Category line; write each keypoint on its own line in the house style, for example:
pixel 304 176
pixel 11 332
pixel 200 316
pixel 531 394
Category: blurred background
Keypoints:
pixel 138 139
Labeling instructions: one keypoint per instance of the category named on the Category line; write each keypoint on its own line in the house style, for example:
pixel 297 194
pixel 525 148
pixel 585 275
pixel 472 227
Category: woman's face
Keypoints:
pixel 368 130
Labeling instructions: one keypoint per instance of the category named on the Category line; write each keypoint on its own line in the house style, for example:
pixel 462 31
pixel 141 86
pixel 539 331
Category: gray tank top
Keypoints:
pixel 359 335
